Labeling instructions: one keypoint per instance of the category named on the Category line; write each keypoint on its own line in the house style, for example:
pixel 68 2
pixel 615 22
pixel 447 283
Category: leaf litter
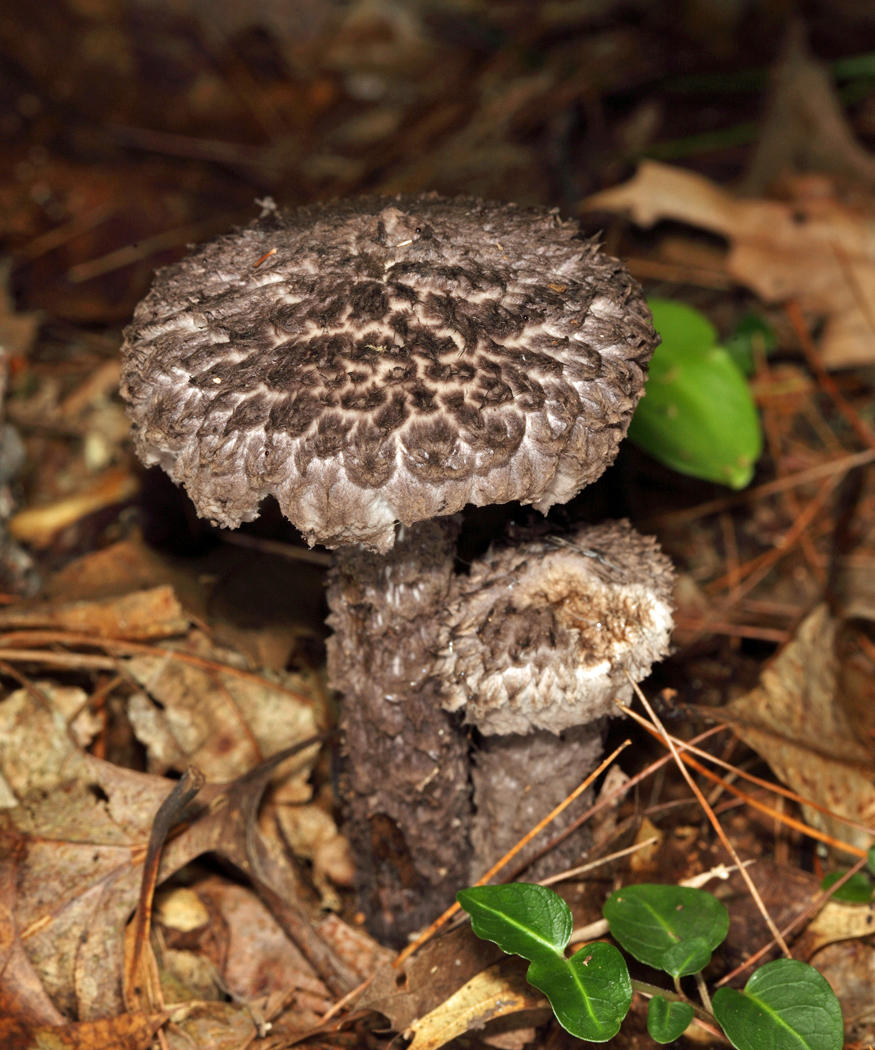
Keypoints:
pixel 135 666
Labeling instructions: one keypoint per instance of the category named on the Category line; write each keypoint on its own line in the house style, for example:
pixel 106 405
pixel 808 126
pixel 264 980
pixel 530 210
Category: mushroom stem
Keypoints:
pixel 517 780
pixel 405 764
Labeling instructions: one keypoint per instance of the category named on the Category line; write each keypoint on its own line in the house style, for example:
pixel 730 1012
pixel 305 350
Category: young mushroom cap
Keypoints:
pixel 545 635
pixel 539 639
pixel 386 360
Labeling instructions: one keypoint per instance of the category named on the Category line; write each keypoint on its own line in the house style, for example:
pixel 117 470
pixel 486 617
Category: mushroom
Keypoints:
pixel 376 365
pixel 541 638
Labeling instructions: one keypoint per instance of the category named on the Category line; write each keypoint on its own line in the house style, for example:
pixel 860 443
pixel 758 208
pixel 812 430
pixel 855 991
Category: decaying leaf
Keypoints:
pixel 124 1032
pixel 792 718
pixel 72 846
pixel 203 713
pixel 835 921
pixel 497 992
pixel 151 613
pixel 813 248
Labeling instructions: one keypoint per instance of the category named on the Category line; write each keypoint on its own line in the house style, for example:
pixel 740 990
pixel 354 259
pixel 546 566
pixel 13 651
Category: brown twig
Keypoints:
pixel 712 818
pixel 831 468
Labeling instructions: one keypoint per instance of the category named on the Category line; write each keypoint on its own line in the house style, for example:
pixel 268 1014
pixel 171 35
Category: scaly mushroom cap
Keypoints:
pixel 541 634
pixel 386 360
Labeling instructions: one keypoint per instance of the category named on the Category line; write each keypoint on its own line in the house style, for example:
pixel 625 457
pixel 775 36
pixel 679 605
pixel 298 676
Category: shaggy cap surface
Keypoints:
pixel 542 634
pixel 386 360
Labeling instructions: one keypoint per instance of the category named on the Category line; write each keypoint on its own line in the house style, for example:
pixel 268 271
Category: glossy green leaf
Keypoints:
pixel 870 859
pixel 859 889
pixel 650 920
pixel 687 956
pixel 752 336
pixel 521 918
pixel 697 415
pixel 667 1019
pixel 786 1005
pixel 591 992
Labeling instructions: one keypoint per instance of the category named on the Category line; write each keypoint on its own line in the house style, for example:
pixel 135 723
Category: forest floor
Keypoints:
pixel 166 881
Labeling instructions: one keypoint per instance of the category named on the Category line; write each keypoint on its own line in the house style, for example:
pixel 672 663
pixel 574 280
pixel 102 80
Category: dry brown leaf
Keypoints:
pixel 129 565
pixel 429 977
pixel 152 613
pixel 257 962
pixel 849 966
pixel 497 992
pixel 835 921
pixel 212 1026
pixel 123 1032
pixel 814 248
pixel 260 604
pixel 71 856
pixel 792 718
pixel 221 722
pixel 312 834
pixel 41 730
pixel 38 526
pixel 355 946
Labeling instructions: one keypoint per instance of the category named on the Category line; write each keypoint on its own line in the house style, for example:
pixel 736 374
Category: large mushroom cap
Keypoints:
pixel 386 360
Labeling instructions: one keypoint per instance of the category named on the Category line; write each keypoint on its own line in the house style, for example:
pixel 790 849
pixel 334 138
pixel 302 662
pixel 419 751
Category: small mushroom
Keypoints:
pixel 541 638
pixel 376 365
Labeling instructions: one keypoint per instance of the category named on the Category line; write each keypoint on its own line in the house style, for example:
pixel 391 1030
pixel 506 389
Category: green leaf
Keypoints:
pixel 697 415
pixel 650 921
pixel 752 336
pixel 857 890
pixel 870 859
pixel 687 956
pixel 667 1019
pixel 521 918
pixel 786 1005
pixel 591 992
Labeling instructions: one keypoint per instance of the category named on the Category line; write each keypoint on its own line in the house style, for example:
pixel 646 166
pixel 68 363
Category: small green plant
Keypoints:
pixel 785 1004
pixel 697 415
pixel 859 888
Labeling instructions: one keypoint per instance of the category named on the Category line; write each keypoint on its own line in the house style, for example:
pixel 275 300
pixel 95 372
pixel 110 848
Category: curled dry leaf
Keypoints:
pixel 813 248
pixel 794 720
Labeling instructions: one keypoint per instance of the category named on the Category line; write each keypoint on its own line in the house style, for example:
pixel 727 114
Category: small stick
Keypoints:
pixel 839 466
pixel 712 818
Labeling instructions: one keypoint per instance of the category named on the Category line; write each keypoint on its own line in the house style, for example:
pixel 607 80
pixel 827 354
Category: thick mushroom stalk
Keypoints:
pixel 382 361
pixel 543 636
pixel 405 769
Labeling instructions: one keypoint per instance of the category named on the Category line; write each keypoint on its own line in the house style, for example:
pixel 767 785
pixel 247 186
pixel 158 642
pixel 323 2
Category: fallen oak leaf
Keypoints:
pixel 814 248
pixel 793 719
pixel 71 858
